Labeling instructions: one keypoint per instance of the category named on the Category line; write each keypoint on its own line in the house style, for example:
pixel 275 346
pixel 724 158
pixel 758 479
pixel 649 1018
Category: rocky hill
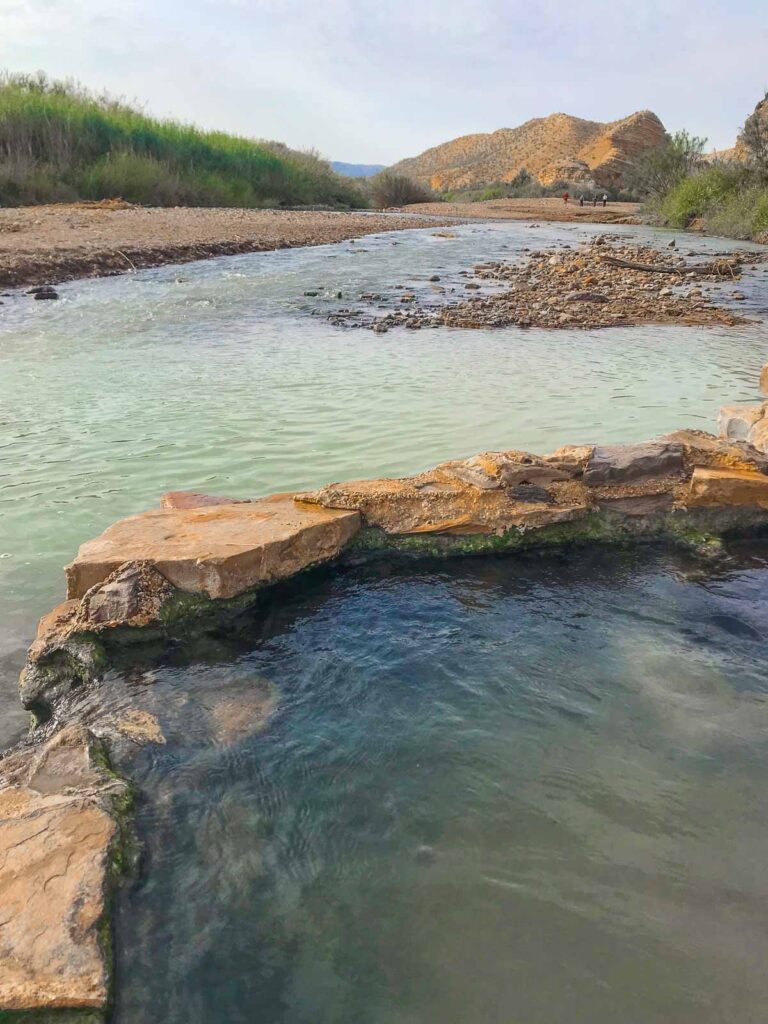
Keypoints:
pixel 558 147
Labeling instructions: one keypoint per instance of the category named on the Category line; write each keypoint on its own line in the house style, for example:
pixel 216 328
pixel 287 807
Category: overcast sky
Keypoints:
pixel 376 80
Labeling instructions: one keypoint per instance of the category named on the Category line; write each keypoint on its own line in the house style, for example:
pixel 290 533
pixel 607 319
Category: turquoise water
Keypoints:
pixel 504 792
pixel 216 376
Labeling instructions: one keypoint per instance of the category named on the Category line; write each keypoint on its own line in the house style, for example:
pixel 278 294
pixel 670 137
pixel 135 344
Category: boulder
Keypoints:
pixel 735 422
pixel 218 550
pixel 723 487
pixel 57 830
pixel 622 463
pixel 491 470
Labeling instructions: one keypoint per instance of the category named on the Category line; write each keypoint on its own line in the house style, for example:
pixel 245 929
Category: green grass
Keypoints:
pixel 725 199
pixel 60 143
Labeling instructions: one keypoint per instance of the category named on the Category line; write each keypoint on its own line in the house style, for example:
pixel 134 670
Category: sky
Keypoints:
pixel 372 82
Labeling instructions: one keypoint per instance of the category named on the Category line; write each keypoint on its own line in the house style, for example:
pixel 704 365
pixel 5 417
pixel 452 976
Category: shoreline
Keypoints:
pixel 48 245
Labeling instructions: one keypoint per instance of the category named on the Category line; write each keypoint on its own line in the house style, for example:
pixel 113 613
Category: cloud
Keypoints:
pixel 373 82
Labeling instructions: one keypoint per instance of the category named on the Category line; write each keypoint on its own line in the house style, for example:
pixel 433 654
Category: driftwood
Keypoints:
pixel 720 268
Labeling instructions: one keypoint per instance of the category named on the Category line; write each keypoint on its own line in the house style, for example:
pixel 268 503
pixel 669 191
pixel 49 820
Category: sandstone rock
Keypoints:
pixel 719 487
pixel 622 463
pixel 571 458
pixel 491 470
pixel 57 827
pixel 193 499
pixel 235 715
pixel 734 422
pixel 638 504
pixel 469 497
pixel 702 449
pixel 132 595
pixel 219 550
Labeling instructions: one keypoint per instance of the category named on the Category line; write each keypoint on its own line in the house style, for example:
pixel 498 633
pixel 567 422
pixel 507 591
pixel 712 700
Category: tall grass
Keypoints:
pixel 59 142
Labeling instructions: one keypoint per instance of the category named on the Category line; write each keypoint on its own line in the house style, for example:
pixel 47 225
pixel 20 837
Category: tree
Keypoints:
pixel 754 136
pixel 658 170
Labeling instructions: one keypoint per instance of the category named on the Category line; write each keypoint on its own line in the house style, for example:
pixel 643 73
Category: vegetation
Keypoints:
pixel 525 186
pixel 680 187
pixel 389 189
pixel 59 143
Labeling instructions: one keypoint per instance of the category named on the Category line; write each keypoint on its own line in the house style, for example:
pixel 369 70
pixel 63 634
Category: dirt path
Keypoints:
pixel 551 209
pixel 48 244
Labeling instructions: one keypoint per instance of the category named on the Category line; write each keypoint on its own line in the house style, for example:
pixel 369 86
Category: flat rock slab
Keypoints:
pixel 56 831
pixel 622 463
pixel 719 487
pixel 218 550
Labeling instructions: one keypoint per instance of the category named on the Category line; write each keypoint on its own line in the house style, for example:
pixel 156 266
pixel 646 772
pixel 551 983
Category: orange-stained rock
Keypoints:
pixel 703 449
pixel 193 499
pixel 722 487
pixel 56 830
pixel 489 493
pixel 220 550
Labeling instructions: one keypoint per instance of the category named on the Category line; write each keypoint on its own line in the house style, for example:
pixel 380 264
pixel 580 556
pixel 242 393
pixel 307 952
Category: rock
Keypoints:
pixel 735 422
pixel 57 831
pixel 702 449
pixel 472 496
pixel 571 458
pixel 193 499
pixel 380 328
pixel 502 469
pixel 587 297
pixel 718 487
pixel 219 550
pixel 435 277
pixel 738 296
pixel 46 293
pixel 638 504
pixel 235 715
pixel 764 380
pixel 132 595
pixel 139 726
pixel 626 462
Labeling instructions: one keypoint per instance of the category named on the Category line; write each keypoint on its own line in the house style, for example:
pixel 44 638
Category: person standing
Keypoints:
pixel 566 197
pixel 605 198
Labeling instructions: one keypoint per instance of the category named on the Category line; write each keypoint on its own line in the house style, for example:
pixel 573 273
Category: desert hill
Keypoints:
pixel 558 147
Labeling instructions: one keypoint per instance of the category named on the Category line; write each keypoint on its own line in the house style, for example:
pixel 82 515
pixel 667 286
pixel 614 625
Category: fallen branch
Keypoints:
pixel 721 268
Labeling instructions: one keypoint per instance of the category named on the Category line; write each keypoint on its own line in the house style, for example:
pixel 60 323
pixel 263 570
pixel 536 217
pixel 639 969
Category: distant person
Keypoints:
pixel 581 200
pixel 566 197
pixel 605 198
pixel 594 200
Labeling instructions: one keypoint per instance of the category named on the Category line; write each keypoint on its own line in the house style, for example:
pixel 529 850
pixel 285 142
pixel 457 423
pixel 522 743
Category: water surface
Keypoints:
pixel 529 791
pixel 216 376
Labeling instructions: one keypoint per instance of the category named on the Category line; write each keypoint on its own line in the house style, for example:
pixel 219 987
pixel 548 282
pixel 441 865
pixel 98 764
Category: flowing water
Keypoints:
pixel 492 791
pixel 524 792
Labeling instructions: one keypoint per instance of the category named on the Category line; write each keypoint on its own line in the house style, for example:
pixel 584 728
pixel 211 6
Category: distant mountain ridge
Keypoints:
pixel 356 170
pixel 558 147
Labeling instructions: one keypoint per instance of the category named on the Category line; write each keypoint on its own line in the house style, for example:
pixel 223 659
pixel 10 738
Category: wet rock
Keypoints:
pixel 193 499
pixel 44 293
pixel 219 550
pixel 719 487
pixel 435 277
pixel 622 463
pixel 237 714
pixel 58 827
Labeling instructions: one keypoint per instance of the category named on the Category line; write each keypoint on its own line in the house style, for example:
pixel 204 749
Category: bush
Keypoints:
pixel 659 170
pixel 59 141
pixel 398 190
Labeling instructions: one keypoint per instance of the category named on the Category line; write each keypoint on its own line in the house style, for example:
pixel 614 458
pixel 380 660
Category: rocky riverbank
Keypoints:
pixel 43 245
pixel 196 563
pixel 603 283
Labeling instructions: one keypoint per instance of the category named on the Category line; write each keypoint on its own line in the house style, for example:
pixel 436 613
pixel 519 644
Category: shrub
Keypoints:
pixel 398 190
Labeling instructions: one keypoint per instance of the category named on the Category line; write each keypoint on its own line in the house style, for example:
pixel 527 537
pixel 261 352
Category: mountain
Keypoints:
pixel 558 147
pixel 356 170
